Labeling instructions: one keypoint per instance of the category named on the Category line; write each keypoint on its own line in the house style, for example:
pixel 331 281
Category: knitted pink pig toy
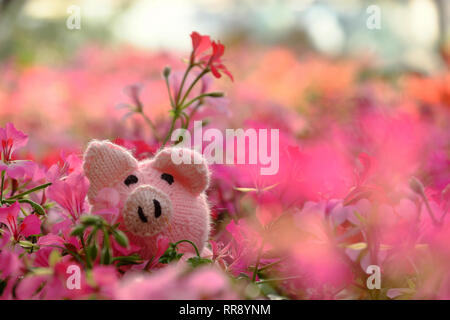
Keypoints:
pixel 156 196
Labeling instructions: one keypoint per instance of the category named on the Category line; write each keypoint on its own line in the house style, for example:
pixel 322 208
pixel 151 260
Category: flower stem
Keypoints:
pixel 188 241
pixel 272 264
pixel 172 103
pixel 150 123
pixel 278 279
pixel 1 186
pixel 191 114
pixel 20 195
pixel 169 133
pixel 427 205
pixel 197 98
pixel 205 71
pixel 258 259
pixel 177 106
pixel 180 90
pixel 86 253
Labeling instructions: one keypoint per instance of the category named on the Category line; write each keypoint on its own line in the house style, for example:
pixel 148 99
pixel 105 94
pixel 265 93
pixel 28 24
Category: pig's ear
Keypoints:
pixel 105 164
pixel 186 166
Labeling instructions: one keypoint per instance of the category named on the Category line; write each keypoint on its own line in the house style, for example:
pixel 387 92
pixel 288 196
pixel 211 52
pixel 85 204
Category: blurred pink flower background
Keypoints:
pixel 344 196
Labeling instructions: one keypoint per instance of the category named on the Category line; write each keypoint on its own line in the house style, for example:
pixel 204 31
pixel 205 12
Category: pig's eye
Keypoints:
pixel 131 179
pixel 167 177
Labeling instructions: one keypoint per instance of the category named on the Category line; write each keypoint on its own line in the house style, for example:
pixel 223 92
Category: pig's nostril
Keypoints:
pixel 157 208
pixel 142 215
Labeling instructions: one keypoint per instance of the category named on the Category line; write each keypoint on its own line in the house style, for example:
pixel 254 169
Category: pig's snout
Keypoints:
pixel 147 211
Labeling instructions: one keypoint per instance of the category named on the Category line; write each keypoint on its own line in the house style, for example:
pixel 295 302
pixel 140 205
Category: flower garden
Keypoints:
pixel 363 178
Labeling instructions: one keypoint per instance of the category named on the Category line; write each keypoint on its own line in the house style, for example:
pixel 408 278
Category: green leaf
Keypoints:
pixel 198 261
pixel 127 260
pixel 170 255
pixel 133 257
pixel 37 207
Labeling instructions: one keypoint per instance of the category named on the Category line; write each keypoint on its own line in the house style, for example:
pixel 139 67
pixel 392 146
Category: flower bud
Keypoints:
pixel 92 251
pixel 216 94
pixel 121 238
pixel 91 220
pixel 166 72
pixel 78 230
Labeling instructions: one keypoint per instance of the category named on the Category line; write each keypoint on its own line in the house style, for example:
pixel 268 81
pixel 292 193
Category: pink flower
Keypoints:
pixel 174 283
pixel 162 244
pixel 29 226
pixel 160 285
pixel 133 91
pixel 106 281
pixel 220 253
pixel 70 194
pixel 19 169
pixel 70 164
pixel 108 198
pixel 9 263
pixel 11 139
pixel 53 285
pixel 209 283
pixel 266 213
pixel 246 243
pixel 10 268
pixel 64 228
pixel 47 244
pixel 50 239
pixel 4 240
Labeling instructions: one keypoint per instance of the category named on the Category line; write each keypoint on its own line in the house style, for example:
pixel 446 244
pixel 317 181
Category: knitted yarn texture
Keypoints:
pixel 155 196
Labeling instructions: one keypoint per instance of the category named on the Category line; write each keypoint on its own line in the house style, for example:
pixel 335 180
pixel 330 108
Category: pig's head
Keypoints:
pixel 156 196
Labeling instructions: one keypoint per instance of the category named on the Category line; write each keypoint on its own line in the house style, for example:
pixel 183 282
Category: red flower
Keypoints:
pixel 200 44
pixel 215 63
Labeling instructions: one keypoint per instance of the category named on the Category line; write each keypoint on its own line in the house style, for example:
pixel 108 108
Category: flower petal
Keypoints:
pixel 13 210
pixel 30 225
